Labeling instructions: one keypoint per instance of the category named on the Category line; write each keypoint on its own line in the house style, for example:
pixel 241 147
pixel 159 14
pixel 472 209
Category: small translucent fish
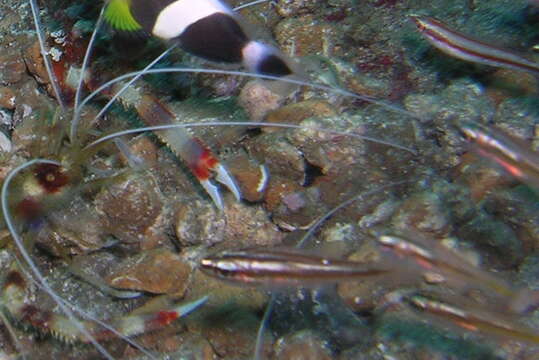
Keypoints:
pixel 463 47
pixel 436 258
pixel 285 267
pixel 476 319
pixel 512 154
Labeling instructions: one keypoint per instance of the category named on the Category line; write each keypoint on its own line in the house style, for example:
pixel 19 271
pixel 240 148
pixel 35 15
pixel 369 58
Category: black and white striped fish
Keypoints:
pixel 209 29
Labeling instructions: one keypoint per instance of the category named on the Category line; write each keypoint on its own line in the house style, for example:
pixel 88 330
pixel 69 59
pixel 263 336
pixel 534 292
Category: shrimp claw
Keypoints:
pixel 227 180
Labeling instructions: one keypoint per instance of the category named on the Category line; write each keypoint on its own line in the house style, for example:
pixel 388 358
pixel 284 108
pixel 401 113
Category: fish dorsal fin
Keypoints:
pixel 118 15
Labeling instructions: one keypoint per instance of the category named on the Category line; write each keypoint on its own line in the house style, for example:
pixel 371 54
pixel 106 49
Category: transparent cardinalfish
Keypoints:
pixel 476 318
pixel 205 28
pixel 434 258
pixel 512 154
pixel 463 47
pixel 285 267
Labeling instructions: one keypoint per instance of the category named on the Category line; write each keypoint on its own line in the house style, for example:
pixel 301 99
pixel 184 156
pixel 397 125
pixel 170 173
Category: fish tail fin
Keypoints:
pixel 128 33
pixel 118 15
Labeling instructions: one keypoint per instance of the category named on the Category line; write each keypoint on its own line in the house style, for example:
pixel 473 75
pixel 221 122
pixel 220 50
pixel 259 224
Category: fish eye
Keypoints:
pixel 221 268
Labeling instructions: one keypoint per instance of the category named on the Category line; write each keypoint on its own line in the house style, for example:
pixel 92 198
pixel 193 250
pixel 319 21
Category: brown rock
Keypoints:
pixel 305 36
pixel 281 157
pixel 509 84
pixel 74 228
pixel 199 222
pixel 303 345
pixel 251 177
pixel 7 98
pixel 279 187
pixel 328 151
pixel 240 224
pixel 231 336
pixel 299 209
pixel 158 271
pixel 288 8
pixel 258 99
pixel 34 63
pixel 249 226
pixel 360 83
pixel 134 212
pixel 32 111
pixel 424 212
pixel 297 112
pixel 12 68
pixel 174 341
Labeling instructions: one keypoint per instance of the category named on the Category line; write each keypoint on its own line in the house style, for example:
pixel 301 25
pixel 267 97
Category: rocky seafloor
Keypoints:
pixel 145 227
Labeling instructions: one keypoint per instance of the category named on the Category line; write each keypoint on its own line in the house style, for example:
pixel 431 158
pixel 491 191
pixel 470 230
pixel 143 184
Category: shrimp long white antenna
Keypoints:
pixel 335 90
pixel 308 234
pixel 259 342
pixel 244 123
pixel 26 256
pixel 44 54
pixel 76 119
pixel 256 2
pixel 87 55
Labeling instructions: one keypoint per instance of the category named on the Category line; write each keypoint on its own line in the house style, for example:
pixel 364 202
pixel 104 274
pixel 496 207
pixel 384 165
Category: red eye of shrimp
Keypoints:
pixel 51 177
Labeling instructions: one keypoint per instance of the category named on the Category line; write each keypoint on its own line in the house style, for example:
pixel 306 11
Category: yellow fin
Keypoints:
pixel 118 15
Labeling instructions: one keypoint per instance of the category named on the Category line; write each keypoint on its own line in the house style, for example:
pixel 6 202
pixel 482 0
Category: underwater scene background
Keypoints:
pixel 394 216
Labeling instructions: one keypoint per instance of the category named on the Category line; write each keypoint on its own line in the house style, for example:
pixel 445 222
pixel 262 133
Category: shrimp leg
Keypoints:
pixel 198 157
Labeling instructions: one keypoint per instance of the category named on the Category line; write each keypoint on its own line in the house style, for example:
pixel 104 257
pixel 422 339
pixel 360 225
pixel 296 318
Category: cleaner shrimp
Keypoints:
pixel 141 198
